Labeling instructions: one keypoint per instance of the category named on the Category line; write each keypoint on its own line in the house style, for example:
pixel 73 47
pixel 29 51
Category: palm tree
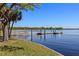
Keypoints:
pixel 15 16
pixel 12 13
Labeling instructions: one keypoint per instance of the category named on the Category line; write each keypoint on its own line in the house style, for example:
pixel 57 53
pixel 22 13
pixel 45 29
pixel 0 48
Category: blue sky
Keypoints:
pixel 52 14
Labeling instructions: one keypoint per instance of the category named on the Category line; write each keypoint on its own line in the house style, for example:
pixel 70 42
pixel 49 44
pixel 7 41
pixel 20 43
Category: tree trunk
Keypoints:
pixel 5 33
pixel 10 29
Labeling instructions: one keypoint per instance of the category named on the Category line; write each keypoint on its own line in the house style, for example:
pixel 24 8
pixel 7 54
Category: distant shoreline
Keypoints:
pixel 42 28
pixel 37 28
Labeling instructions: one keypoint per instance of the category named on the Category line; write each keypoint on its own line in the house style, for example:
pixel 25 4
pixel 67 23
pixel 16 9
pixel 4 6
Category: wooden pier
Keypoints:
pixel 44 32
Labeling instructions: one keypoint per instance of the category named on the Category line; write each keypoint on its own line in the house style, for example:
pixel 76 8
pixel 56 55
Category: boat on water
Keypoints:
pixel 50 33
pixel 39 33
pixel 58 33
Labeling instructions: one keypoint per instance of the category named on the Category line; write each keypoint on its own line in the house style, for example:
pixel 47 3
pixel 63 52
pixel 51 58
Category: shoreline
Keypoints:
pixel 46 47
pixel 52 50
pixel 26 47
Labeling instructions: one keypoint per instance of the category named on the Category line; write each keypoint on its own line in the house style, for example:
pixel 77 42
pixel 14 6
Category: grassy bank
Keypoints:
pixel 24 48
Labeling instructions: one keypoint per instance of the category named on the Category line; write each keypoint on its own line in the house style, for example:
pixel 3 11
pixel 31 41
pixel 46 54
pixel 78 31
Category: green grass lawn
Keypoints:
pixel 18 47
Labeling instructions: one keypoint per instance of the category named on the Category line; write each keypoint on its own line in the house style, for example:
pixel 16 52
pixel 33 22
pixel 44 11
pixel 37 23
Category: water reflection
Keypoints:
pixel 44 36
pixel 32 35
pixel 66 43
pixel 48 37
pixel 58 36
pixel 40 36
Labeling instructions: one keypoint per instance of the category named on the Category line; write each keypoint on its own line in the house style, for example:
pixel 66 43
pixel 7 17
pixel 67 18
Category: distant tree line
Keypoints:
pixel 37 28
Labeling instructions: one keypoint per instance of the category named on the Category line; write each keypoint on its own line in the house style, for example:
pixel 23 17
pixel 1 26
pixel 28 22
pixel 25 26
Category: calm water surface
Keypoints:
pixel 66 43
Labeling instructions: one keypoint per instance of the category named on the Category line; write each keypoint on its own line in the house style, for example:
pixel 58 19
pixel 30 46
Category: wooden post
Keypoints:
pixel 31 35
pixel 51 32
pixel 50 29
pixel 55 29
pixel 40 32
pixel 44 33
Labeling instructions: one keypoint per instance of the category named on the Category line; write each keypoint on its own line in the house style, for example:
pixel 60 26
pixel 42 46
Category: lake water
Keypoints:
pixel 66 43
